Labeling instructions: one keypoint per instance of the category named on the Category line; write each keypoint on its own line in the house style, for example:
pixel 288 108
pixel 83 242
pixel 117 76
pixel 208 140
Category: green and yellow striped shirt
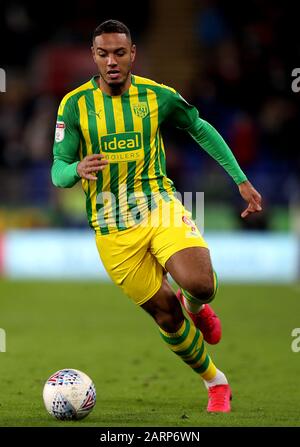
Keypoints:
pixel 126 129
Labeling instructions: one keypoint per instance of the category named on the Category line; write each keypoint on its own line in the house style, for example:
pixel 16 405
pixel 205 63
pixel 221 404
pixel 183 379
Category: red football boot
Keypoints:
pixel 206 320
pixel 219 397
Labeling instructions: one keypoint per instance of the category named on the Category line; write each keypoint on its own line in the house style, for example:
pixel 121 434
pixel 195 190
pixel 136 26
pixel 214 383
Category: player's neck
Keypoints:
pixel 114 91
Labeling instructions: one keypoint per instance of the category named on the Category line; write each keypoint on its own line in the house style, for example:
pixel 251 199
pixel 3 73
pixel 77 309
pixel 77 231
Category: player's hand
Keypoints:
pixel 88 167
pixel 249 193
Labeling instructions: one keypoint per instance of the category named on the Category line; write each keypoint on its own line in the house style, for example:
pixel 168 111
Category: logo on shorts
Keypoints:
pixel 189 222
pixel 141 109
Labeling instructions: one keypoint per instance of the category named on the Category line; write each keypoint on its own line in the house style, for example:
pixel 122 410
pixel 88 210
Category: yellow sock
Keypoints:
pixel 188 344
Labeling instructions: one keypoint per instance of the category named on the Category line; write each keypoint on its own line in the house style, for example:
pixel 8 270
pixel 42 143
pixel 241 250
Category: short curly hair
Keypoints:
pixel 111 26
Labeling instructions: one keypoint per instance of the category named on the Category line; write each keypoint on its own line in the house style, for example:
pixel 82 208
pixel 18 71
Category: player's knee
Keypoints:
pixel 203 289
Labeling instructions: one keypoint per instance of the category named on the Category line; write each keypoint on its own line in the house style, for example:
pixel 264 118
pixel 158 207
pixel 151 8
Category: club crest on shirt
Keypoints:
pixel 141 109
pixel 60 131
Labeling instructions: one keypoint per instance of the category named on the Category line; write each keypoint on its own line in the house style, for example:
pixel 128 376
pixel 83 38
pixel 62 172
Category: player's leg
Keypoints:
pixel 127 259
pixel 191 268
pixel 181 250
pixel 186 341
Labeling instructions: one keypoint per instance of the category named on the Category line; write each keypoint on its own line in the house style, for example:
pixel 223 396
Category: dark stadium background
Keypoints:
pixel 234 61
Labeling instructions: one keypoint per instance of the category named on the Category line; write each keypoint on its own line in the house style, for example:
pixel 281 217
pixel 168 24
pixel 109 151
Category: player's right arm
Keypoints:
pixel 67 168
pixel 66 146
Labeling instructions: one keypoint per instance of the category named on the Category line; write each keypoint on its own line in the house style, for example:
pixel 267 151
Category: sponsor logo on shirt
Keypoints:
pixel 122 146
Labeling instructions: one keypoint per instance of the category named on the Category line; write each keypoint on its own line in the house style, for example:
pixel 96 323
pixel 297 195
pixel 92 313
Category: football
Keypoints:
pixel 69 394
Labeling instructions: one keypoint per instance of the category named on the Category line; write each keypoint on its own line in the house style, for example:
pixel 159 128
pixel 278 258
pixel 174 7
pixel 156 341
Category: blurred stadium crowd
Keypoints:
pixel 243 58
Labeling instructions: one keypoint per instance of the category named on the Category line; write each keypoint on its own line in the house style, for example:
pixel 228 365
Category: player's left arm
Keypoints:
pixel 213 143
pixel 250 195
pixel 186 117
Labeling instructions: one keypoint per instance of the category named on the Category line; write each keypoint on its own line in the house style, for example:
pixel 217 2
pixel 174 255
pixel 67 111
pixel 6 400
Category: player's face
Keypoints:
pixel 114 55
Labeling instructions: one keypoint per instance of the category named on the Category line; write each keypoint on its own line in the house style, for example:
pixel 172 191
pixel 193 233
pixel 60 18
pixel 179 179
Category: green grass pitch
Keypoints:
pixel 95 328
